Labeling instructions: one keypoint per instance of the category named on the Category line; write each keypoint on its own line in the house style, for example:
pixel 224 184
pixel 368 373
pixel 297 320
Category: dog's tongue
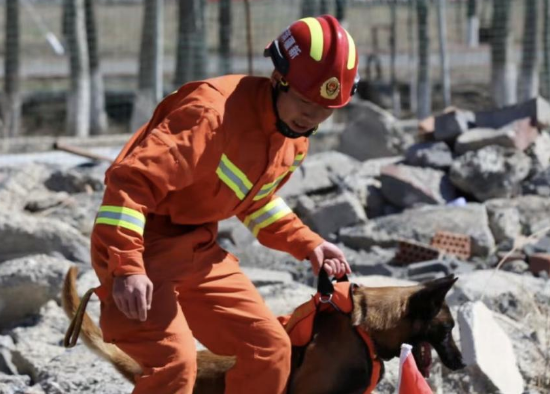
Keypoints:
pixel 425 359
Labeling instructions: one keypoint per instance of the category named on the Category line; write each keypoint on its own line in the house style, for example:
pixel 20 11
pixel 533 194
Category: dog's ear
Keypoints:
pixel 427 302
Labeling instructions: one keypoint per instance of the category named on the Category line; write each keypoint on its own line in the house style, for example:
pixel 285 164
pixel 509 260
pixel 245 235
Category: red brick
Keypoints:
pixel 539 262
pixel 458 245
pixel 414 252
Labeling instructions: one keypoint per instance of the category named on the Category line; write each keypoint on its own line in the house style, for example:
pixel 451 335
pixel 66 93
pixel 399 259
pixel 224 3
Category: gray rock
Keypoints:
pixel 319 172
pixel 491 172
pixel 517 135
pixel 73 181
pixel 17 184
pixel 28 283
pixel 79 370
pixel 6 347
pixel 310 177
pixel 429 154
pixel 533 211
pixel 538 184
pixel 504 222
pixel 37 344
pixel 540 152
pixel 406 186
pixel 372 133
pixel 18 384
pixel 421 224
pixel 450 125
pixel 537 109
pixel 282 299
pixel 516 266
pixel 79 211
pixel 23 234
pixel 488 351
pixel 46 200
pixel 333 213
pixel 428 267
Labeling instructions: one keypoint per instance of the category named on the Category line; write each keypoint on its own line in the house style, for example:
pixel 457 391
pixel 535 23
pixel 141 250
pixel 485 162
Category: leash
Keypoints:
pixel 71 336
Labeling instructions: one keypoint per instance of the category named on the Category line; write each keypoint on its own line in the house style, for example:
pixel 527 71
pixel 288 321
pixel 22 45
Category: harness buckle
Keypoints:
pixel 325 298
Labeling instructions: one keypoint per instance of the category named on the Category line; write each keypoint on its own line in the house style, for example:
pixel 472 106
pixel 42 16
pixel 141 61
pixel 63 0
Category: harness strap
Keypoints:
pixel 71 336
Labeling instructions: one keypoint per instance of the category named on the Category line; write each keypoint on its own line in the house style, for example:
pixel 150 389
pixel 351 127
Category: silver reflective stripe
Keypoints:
pixel 121 216
pixel 267 215
pixel 233 177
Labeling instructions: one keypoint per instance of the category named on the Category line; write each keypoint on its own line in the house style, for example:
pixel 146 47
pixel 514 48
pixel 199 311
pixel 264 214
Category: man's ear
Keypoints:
pixel 427 302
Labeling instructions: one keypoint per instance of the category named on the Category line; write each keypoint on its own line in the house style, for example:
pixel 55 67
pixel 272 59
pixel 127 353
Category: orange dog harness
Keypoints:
pixel 299 325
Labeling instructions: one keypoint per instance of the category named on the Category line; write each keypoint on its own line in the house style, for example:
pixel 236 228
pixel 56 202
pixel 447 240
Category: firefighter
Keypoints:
pixel 215 149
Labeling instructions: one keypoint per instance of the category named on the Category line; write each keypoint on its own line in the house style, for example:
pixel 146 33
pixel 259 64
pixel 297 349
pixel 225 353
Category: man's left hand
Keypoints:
pixel 334 259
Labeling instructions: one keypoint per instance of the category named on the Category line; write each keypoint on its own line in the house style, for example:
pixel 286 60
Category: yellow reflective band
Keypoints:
pixel 230 174
pixel 122 210
pixel 121 217
pixel 267 215
pixel 297 161
pixel 235 170
pixel 316 32
pixel 272 219
pixel 120 223
pixel 351 51
pixel 269 187
pixel 230 183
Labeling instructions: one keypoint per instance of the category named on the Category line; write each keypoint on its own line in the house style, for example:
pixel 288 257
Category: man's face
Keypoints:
pixel 300 114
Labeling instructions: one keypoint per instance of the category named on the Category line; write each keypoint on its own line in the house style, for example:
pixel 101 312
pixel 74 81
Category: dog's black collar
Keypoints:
pixel 282 127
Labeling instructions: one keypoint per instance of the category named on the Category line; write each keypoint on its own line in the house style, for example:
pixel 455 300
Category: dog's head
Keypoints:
pixel 417 315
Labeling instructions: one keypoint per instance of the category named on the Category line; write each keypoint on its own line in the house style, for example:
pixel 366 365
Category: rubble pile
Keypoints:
pixel 471 192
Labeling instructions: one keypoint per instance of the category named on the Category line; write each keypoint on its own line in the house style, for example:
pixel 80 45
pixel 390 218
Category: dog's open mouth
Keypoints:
pixel 423 356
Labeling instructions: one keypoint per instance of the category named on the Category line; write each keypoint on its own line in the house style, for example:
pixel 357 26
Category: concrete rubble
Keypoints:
pixel 480 179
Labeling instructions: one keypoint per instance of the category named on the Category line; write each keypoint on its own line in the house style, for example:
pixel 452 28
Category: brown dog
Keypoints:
pixel 336 360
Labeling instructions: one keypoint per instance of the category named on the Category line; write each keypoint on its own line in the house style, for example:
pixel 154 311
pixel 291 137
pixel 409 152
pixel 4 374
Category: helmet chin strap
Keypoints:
pixel 282 127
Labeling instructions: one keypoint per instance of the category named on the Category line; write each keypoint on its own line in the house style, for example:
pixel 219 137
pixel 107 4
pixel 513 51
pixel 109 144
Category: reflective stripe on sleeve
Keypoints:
pixel 268 188
pixel 266 215
pixel 233 177
pixel 121 217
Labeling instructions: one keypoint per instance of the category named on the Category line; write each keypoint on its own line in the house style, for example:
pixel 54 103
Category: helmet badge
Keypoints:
pixel 330 88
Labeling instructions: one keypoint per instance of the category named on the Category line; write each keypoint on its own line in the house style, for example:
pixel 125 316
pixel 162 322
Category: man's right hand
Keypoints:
pixel 133 295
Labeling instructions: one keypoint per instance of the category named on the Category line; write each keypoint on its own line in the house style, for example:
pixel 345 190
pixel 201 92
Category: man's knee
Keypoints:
pixel 275 341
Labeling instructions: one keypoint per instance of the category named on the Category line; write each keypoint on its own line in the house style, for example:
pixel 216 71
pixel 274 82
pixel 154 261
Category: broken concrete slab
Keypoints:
pixel 533 211
pixel 517 135
pixel 23 234
pixel 28 283
pixel 436 155
pixel 504 222
pixel 421 225
pixel 407 186
pixel 491 172
pixel 332 213
pixel 372 133
pixel 537 109
pixel 488 351
pixel 448 126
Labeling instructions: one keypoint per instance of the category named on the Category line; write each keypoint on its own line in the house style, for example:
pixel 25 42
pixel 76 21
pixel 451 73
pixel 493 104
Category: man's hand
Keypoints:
pixel 332 256
pixel 133 295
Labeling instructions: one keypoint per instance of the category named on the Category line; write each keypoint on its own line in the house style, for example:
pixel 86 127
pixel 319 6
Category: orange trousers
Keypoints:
pixel 210 299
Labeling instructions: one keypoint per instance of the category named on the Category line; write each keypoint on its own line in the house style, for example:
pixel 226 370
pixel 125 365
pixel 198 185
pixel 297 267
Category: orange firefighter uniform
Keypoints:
pixel 211 151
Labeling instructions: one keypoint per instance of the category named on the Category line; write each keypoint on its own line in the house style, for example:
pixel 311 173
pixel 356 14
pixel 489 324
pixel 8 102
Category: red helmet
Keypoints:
pixel 317 57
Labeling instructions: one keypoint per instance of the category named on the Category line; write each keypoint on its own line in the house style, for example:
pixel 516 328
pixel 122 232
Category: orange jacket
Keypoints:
pixel 210 151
